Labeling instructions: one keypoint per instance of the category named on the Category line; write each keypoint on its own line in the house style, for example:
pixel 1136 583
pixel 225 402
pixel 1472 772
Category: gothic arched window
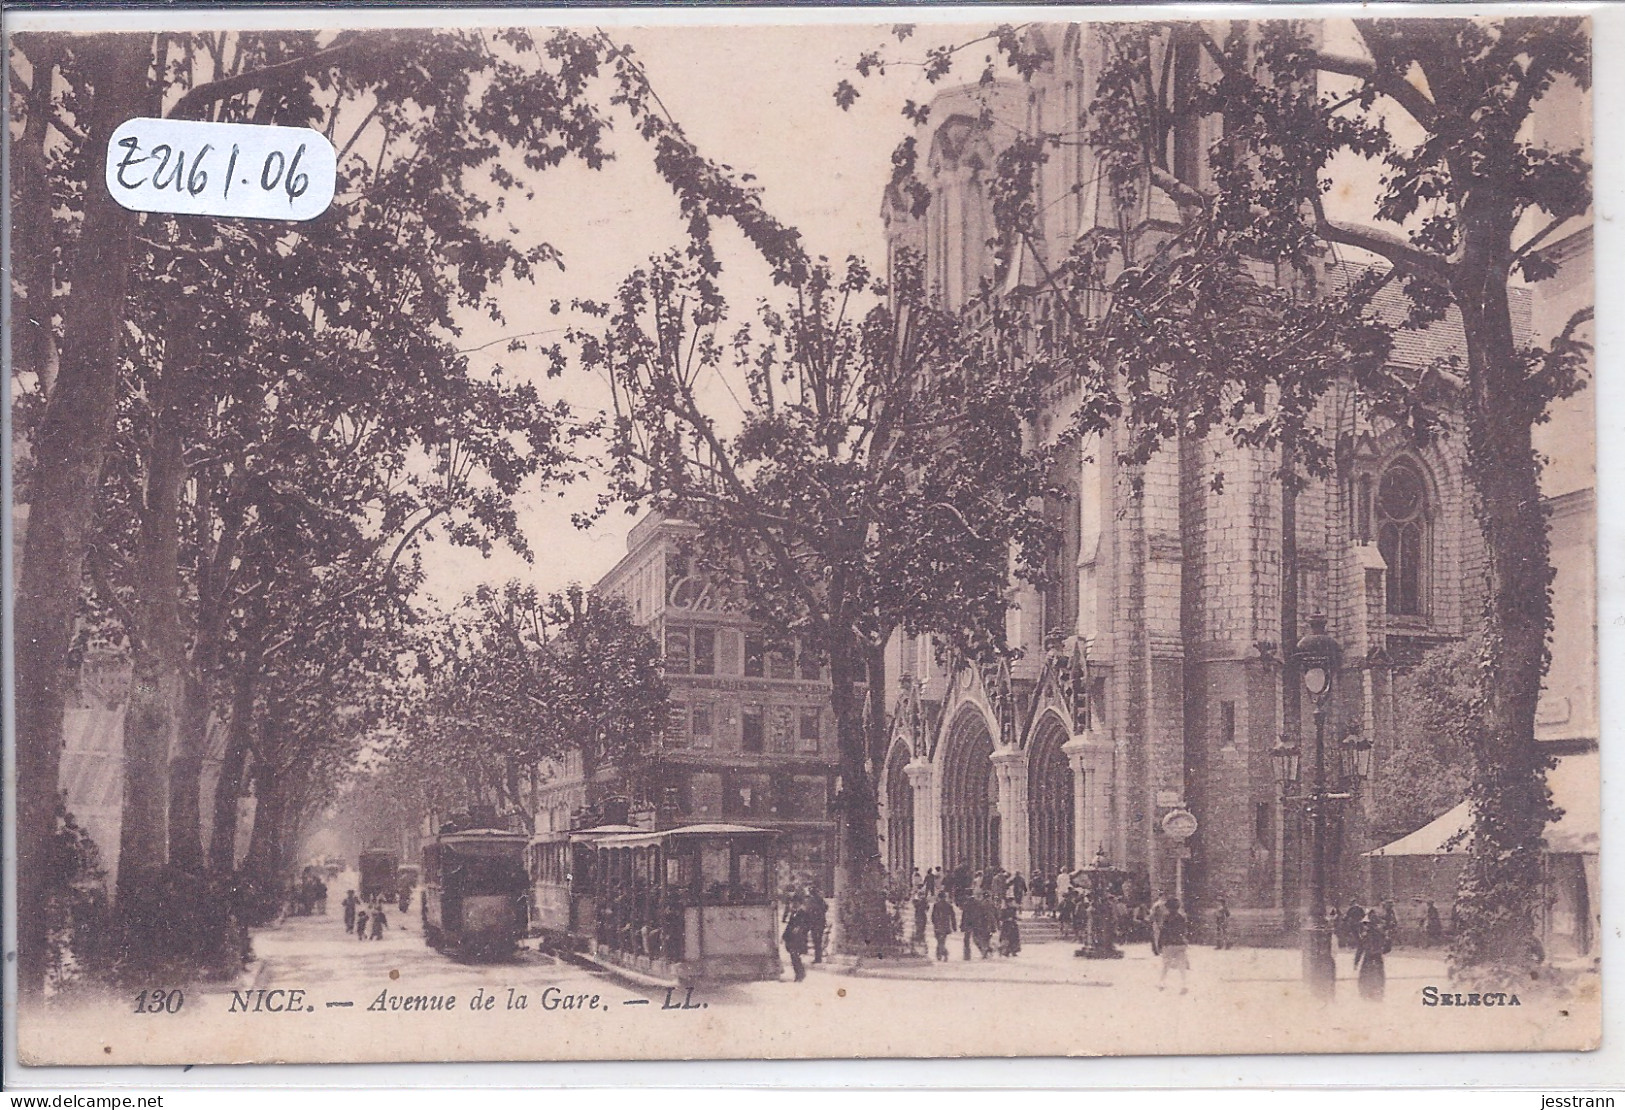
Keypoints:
pixel 1402 536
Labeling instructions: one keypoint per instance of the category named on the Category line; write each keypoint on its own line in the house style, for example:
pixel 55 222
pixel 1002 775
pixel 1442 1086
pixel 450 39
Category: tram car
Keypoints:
pixel 562 898
pixel 687 905
pixel 474 891
pixel 378 867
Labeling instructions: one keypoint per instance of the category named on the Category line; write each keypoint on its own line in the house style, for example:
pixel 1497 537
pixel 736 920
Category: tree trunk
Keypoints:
pixel 228 789
pixel 69 452
pixel 152 721
pixel 863 925
pixel 1501 885
pixel 261 863
pixel 32 337
pixel 186 772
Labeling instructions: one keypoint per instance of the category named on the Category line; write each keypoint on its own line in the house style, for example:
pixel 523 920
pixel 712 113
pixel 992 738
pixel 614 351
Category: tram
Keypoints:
pixel 474 891
pixel 378 867
pixel 562 906
pixel 686 905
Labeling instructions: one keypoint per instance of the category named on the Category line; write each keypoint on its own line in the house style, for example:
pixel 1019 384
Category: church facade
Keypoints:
pixel 1154 677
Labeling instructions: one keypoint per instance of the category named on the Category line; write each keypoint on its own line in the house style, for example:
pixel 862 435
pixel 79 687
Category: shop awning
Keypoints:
pixel 1576 784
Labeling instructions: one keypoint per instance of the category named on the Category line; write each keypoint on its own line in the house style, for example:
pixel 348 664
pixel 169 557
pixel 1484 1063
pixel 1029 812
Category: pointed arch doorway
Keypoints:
pixel 970 812
pixel 1051 822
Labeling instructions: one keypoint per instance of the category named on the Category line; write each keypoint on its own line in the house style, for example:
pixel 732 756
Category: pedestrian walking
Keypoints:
pixel 1018 889
pixel 969 914
pixel 1009 930
pixel 1172 939
pixel 796 932
pixel 1390 922
pixel 987 920
pixel 1159 915
pixel 817 920
pixel 350 904
pixel 1348 927
pixel 1432 927
pixel 1370 947
pixel 1221 924
pixel 922 911
pixel 361 924
pixel 378 922
pixel 943 923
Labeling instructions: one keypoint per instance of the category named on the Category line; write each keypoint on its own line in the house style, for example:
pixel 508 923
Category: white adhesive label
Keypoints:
pixel 221 169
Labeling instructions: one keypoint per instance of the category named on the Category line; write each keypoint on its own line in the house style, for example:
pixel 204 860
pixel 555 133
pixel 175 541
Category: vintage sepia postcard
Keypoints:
pixel 657 535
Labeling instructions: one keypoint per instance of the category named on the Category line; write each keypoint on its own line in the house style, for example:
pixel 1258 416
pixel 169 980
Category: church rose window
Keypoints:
pixel 1402 522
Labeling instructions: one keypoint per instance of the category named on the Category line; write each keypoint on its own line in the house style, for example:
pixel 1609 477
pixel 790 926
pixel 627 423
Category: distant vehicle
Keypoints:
pixel 378 870
pixel 474 891
pixel 406 876
pixel 691 904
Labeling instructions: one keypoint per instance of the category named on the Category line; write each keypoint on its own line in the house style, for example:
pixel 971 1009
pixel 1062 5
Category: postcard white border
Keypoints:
pixel 1531 1071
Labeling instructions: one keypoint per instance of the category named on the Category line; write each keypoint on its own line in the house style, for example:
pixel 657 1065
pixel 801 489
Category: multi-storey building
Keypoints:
pixel 751 738
pixel 1149 688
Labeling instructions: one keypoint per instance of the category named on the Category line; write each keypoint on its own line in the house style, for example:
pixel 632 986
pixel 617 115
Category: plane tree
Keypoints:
pixel 855 464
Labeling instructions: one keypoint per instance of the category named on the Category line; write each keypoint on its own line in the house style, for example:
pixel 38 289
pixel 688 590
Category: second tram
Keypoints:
pixel 474 891
pixel 690 904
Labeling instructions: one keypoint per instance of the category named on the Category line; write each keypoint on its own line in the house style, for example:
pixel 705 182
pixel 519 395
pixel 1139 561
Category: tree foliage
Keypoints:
pixel 1439 708
pixel 512 683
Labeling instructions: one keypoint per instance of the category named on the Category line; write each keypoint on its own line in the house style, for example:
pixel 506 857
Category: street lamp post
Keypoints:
pixel 1318 656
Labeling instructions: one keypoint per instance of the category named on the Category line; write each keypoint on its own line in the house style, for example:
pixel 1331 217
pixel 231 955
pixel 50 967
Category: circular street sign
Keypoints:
pixel 1179 824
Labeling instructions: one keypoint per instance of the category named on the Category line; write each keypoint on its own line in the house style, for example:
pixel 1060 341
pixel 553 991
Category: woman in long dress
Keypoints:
pixel 1369 949
pixel 1009 929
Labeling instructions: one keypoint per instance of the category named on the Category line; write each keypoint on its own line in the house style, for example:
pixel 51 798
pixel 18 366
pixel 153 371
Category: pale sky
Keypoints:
pixel 757 98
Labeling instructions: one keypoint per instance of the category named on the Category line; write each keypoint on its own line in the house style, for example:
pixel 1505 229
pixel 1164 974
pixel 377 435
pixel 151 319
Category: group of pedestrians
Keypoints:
pixel 977 918
pixel 309 895
pixel 1429 927
pixel 1372 934
pixel 367 920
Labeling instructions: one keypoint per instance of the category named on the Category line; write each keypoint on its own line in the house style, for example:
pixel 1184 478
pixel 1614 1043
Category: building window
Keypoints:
pixel 705 651
pixel 677 651
pixel 812 728
pixel 677 726
pixel 705 794
pixel 699 725
pixel 811 669
pixel 784 729
pixel 1402 535
pixel 1227 724
pixel 751 796
pixel 755 656
pixel 808 796
pixel 752 738
pixel 1263 825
